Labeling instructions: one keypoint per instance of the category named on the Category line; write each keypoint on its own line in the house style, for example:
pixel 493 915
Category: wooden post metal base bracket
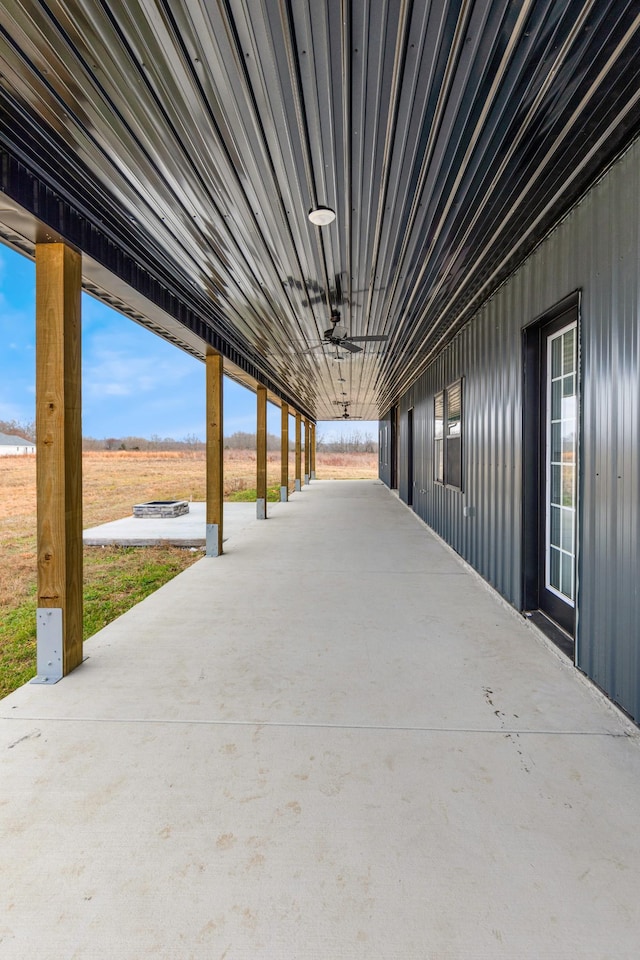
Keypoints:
pixel 49 645
pixel 298 485
pixel 284 494
pixel 212 541
pixel 261 508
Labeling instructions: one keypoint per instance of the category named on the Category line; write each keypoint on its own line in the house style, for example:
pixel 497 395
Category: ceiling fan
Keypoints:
pixel 336 336
pixel 345 415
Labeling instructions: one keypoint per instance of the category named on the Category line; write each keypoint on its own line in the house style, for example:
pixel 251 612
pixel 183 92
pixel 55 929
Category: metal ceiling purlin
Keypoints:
pixel 193 138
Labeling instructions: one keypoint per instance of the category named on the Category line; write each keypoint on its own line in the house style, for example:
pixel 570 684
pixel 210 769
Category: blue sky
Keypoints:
pixel 134 383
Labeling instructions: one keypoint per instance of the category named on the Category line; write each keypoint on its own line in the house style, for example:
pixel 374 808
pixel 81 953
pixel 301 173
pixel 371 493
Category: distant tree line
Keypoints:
pixel 190 443
pixel 356 441
pixel 247 441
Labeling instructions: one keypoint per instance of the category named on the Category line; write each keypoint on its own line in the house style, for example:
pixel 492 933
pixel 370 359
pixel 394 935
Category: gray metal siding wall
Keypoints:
pixel 596 249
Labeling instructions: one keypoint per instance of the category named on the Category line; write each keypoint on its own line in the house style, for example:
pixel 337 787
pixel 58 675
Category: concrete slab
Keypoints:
pixel 188 530
pixel 333 741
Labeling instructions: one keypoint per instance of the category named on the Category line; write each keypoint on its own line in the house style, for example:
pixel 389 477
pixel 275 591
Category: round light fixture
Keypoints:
pixel 322 216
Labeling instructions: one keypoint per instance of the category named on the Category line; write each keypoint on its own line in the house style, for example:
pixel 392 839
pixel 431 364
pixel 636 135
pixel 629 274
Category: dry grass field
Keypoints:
pixel 115 578
pixel 114 481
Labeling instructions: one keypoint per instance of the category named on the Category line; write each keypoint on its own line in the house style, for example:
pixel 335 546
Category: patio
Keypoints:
pixel 332 742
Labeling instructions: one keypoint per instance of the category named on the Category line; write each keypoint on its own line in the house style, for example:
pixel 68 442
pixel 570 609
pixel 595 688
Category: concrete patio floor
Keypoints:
pixel 187 530
pixel 332 742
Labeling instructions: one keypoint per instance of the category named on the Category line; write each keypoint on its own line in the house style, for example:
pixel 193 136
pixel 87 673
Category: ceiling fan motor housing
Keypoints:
pixel 337 332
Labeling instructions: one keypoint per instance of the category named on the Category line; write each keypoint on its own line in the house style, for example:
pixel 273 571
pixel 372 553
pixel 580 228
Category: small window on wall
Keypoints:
pixel 447 436
pixel 438 438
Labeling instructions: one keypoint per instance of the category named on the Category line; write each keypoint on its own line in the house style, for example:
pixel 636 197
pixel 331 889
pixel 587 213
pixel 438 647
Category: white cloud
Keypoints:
pixel 135 384
pixel 127 371
pixel 114 390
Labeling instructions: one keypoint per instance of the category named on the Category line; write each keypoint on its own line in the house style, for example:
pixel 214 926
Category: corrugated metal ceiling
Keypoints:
pixel 447 136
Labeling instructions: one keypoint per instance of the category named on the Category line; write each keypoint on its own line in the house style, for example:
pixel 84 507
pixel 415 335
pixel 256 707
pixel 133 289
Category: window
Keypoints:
pixel 447 436
pixel 562 455
pixel 438 441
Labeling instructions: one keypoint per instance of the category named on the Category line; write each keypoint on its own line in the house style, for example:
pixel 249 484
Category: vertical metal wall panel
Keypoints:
pixel 609 599
pixel 596 250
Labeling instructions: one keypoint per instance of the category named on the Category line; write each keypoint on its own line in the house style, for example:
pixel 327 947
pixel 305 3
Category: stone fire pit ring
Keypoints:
pixel 161 508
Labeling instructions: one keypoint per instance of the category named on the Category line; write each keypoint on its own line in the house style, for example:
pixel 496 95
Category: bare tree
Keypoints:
pixel 19 428
pixel 192 442
pixel 355 441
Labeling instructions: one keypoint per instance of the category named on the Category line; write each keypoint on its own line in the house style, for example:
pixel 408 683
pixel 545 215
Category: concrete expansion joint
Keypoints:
pixel 301 725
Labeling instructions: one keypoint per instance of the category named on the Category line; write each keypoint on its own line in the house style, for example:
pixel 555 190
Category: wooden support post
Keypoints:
pixel 214 454
pixel 284 453
pixel 307 451
pixel 313 451
pixel 298 481
pixel 59 460
pixel 261 455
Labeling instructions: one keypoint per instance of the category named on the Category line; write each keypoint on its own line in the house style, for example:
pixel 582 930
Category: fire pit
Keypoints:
pixel 161 508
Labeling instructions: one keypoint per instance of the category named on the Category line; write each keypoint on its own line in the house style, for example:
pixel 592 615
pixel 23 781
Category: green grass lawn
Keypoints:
pixel 116 578
pixel 245 496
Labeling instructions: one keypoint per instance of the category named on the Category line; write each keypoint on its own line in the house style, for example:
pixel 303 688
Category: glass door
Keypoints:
pixel 559 488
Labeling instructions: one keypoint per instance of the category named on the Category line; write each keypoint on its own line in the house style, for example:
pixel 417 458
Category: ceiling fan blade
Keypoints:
pixel 369 339
pixel 316 346
pixel 351 347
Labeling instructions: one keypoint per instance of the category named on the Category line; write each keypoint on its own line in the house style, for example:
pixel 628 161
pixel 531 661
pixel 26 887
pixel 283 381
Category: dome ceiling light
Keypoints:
pixel 322 216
